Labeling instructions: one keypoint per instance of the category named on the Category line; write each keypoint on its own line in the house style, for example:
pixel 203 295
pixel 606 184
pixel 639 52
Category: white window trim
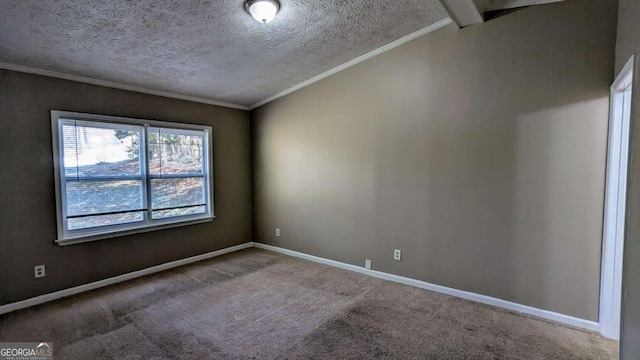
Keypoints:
pixel 66 237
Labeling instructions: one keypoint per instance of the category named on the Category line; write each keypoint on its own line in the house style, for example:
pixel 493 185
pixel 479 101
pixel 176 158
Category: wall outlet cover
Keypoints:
pixel 38 271
pixel 367 264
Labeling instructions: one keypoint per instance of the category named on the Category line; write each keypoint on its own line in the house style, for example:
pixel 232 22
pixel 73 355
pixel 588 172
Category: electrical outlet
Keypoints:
pixel 367 264
pixel 277 231
pixel 397 254
pixel 38 271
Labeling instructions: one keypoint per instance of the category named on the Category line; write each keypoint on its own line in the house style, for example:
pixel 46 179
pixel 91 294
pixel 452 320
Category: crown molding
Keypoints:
pixel 167 94
pixel 367 56
pixel 116 85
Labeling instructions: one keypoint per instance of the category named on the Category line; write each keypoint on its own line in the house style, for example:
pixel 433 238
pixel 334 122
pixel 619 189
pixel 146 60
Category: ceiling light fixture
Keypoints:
pixel 262 10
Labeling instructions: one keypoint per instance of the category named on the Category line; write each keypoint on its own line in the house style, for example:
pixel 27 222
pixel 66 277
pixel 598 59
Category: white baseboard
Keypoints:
pixel 114 280
pixel 544 314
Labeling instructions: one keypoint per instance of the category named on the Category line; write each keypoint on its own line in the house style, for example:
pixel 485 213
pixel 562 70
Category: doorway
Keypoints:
pixel 615 202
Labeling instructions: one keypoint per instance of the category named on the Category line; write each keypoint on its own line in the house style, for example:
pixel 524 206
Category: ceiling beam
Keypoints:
pixel 491 5
pixel 471 12
pixel 463 12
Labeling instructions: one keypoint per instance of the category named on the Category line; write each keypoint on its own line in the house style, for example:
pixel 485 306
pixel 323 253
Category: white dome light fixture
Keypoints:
pixel 262 10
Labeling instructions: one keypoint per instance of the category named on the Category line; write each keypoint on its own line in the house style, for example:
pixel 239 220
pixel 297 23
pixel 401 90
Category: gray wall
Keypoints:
pixel 629 44
pixel 478 152
pixel 27 199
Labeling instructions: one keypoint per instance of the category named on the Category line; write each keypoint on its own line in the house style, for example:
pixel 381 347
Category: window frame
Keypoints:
pixel 68 237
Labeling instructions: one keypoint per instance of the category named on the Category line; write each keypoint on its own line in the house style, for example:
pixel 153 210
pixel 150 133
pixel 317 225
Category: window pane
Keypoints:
pixel 170 193
pixel 98 151
pixel 103 220
pixel 161 214
pixel 114 170
pixel 91 197
pixel 175 152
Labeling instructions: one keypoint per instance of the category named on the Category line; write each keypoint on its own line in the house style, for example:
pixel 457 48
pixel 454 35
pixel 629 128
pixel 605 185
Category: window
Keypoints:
pixel 117 175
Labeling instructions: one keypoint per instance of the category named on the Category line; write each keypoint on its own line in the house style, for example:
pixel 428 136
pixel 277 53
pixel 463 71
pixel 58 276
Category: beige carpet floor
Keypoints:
pixel 255 304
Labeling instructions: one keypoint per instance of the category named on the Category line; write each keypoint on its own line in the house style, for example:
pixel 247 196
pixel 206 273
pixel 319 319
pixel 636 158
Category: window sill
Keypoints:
pixel 87 238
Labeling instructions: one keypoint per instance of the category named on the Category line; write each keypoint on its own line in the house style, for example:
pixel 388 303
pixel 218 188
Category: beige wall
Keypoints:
pixel 629 44
pixel 27 199
pixel 478 152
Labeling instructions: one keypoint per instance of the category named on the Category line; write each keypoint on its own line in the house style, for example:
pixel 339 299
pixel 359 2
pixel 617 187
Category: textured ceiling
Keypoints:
pixel 208 49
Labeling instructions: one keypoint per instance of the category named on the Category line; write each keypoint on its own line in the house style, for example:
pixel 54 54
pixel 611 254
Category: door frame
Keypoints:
pixel 615 202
